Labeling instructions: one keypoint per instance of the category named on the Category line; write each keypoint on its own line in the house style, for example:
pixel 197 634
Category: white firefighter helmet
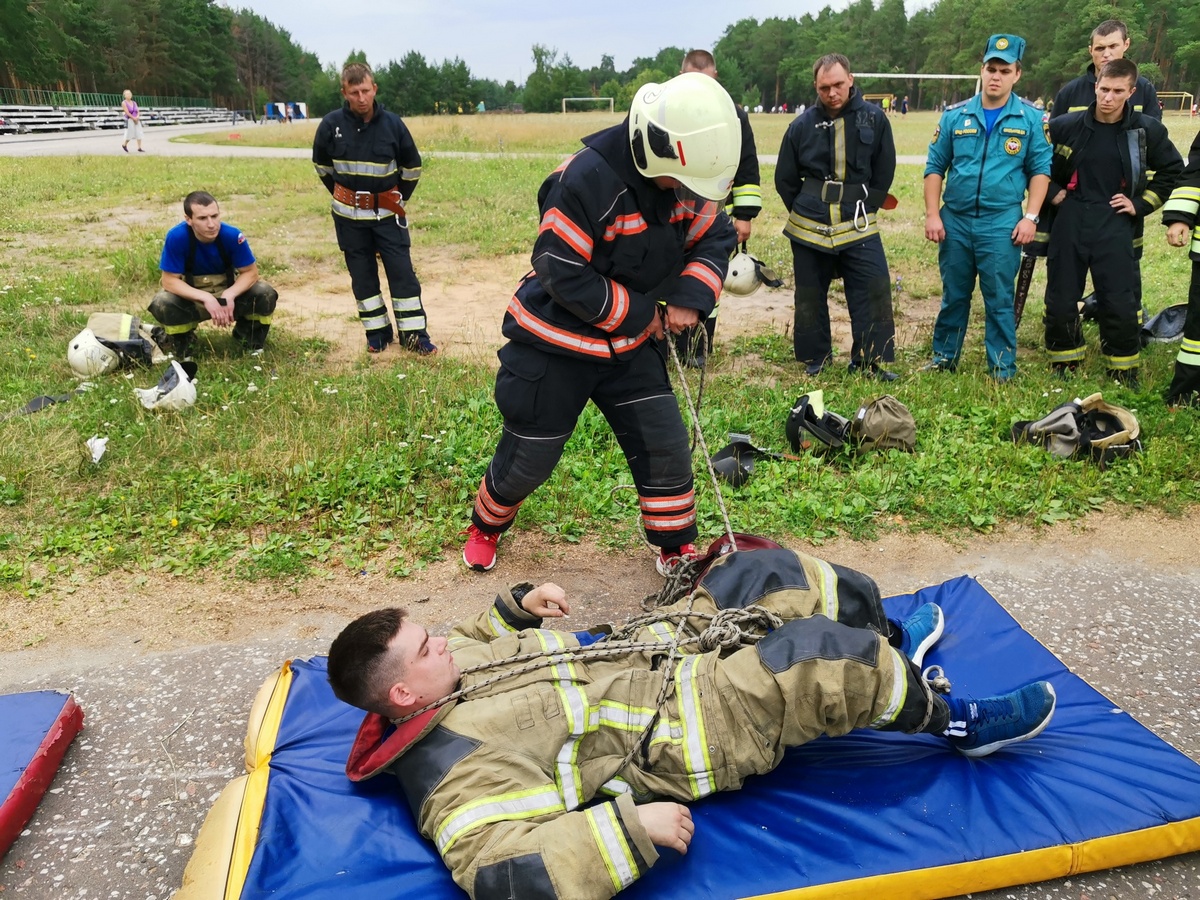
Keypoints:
pixel 742 278
pixel 687 128
pixel 87 356
pixel 175 390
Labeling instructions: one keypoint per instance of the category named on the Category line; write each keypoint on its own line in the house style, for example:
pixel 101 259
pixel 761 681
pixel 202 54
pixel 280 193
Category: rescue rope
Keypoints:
pixel 726 629
pixel 694 411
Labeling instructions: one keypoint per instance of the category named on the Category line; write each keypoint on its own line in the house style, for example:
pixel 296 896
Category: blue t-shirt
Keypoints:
pixel 990 116
pixel 208 257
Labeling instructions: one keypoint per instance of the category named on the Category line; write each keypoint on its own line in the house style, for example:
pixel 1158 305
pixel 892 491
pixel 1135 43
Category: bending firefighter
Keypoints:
pixel 632 244
pixel 560 778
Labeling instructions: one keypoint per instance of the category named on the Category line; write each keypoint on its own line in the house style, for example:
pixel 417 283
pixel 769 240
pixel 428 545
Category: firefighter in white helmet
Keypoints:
pixel 633 244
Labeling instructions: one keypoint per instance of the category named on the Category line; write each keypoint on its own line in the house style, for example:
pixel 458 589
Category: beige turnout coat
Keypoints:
pixel 521 785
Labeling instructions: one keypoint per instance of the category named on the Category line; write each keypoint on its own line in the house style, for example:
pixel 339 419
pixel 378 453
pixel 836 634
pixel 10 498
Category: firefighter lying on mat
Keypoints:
pixel 545 764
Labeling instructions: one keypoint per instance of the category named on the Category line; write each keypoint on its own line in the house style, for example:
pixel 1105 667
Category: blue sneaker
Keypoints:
pixel 921 631
pixel 980 727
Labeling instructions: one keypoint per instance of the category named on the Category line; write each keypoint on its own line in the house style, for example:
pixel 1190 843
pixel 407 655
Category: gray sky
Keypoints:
pixel 494 37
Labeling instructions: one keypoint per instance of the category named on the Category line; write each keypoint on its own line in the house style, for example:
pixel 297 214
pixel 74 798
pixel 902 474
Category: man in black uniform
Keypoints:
pixel 743 204
pixel 367 160
pixel 632 244
pixel 1100 193
pixel 1109 41
pixel 835 167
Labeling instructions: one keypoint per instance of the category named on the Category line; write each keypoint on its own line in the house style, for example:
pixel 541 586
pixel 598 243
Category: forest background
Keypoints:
pixel 235 58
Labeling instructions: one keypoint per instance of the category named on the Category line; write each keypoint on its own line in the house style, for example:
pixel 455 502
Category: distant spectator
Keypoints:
pixel 904 106
pixel 133 122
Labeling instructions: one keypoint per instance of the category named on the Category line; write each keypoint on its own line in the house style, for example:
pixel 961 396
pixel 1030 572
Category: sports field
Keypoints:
pixel 318 458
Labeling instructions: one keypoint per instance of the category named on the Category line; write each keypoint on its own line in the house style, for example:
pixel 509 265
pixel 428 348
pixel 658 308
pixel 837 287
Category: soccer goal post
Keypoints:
pixel 1177 101
pixel 608 100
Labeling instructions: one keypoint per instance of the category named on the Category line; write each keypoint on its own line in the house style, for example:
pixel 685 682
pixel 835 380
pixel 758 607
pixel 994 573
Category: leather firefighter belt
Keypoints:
pixel 390 201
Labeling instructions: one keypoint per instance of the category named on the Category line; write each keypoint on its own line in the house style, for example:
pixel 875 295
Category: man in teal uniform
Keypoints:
pixel 993 147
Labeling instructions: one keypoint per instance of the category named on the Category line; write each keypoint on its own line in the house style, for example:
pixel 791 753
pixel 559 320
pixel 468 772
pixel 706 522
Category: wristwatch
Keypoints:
pixel 1033 217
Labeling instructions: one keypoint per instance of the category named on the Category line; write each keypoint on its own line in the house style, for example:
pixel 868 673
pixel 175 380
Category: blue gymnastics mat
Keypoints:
pixel 867 815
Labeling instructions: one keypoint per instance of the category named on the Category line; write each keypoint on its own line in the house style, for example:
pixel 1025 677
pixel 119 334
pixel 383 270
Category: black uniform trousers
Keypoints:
pixel 1092 236
pixel 1185 384
pixel 541 395
pixel 864 272
pixel 359 242
pixel 252 312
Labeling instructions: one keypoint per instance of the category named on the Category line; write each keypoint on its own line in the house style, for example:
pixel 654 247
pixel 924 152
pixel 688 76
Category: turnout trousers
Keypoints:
pixel 1092 237
pixel 252 311
pixel 541 395
pixel 978 246
pixel 359 242
pixel 864 272
pixel 1185 386
pixel 828 670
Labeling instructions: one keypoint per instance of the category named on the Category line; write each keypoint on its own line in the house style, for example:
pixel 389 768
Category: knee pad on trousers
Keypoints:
pixel 521 465
pixel 859 602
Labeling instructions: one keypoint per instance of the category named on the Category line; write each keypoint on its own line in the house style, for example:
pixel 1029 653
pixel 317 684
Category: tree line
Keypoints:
pixel 197 48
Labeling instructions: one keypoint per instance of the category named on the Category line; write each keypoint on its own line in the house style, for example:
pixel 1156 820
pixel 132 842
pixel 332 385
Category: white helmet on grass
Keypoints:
pixel 87 356
pixel 687 129
pixel 742 278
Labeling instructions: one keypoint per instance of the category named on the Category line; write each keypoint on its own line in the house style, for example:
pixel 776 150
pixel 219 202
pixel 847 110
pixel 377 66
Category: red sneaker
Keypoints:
pixel 480 552
pixel 669 558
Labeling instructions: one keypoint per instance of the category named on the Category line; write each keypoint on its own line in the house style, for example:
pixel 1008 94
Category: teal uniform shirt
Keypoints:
pixel 988 173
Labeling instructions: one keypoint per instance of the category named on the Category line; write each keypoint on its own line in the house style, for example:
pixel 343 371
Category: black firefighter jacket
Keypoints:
pixel 610 246
pixel 1146 149
pixel 855 148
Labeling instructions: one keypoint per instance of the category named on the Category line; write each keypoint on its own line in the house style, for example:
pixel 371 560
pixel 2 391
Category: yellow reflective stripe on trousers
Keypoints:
pixel 1075 354
pixel 1189 353
pixel 575 707
pixel 1122 363
pixel 361 167
pixel 372 313
pixel 899 690
pixel 406 304
pixel 614 848
pixel 511 807
pixel 827 590
pixel 695 741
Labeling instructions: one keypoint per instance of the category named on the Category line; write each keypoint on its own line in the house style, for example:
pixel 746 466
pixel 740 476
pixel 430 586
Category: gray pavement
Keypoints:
pixel 164 731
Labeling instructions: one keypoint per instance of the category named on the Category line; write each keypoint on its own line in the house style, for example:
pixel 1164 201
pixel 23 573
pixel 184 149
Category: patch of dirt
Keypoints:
pixel 465 302
pixel 120 615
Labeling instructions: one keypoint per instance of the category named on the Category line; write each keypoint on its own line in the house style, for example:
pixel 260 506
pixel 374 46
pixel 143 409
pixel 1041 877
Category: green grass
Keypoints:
pixel 295 464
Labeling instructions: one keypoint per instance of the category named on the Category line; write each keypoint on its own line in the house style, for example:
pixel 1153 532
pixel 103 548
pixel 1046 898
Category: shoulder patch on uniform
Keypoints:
pixel 241 238
pixel 1046 131
pixel 936 132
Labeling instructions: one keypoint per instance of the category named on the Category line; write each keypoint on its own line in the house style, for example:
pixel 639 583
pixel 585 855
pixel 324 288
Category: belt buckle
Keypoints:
pixel 364 200
pixel 825 185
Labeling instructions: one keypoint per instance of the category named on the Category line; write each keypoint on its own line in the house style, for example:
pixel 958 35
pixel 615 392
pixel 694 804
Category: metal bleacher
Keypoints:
pixel 34 119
